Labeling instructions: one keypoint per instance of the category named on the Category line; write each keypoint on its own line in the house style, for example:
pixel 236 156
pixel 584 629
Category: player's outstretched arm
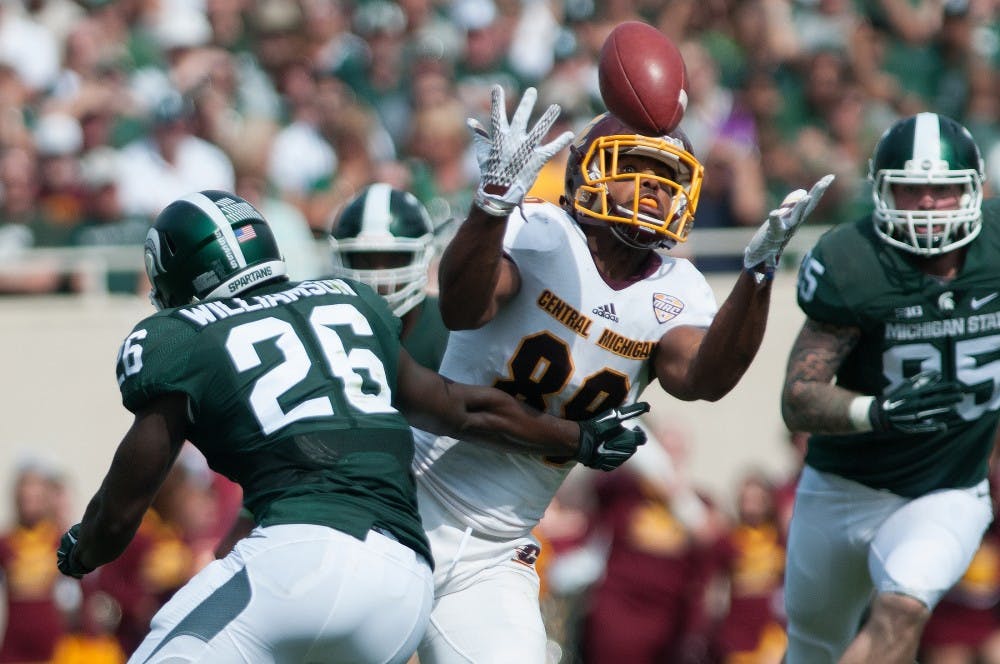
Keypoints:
pixel 490 416
pixel 474 277
pixel 141 463
pixel 692 363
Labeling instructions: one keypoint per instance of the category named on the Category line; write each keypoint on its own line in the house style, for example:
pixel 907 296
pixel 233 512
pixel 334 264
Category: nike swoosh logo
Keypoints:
pixel 978 302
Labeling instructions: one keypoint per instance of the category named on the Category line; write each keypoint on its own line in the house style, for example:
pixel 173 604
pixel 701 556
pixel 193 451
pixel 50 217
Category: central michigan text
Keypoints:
pixel 554 306
pixel 938 329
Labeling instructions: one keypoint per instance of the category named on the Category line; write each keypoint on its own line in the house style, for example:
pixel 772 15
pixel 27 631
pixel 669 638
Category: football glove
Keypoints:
pixel 923 403
pixel 66 559
pixel 604 443
pixel 509 155
pixel 770 239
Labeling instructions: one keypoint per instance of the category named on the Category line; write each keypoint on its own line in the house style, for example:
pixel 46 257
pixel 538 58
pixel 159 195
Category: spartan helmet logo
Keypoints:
pixel 946 301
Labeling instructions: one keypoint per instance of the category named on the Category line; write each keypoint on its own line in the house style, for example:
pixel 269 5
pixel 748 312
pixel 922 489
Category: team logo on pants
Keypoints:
pixel 526 554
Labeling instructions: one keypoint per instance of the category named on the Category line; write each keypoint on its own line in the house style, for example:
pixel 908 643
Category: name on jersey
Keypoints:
pixel 625 347
pixel 937 329
pixel 554 306
pixel 215 310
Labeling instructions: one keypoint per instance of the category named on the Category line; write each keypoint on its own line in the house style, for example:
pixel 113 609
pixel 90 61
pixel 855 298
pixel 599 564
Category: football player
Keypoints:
pixel 896 372
pixel 384 237
pixel 297 391
pixel 571 309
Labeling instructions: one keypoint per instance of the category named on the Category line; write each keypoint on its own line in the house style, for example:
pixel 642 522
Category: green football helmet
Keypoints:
pixel 927 148
pixel 206 245
pixel 384 237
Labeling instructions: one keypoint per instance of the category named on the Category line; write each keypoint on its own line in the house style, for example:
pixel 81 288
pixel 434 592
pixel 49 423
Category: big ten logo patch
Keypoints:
pixel 526 554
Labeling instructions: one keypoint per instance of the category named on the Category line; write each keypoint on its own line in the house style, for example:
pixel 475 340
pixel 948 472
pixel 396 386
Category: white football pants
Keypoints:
pixel 848 540
pixel 486 607
pixel 297 593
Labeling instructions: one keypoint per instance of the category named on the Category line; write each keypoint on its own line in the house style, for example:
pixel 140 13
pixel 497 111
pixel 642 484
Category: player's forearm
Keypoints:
pixel 105 531
pixel 480 414
pixel 495 418
pixel 732 340
pixel 810 400
pixel 539 434
pixel 470 270
pixel 819 407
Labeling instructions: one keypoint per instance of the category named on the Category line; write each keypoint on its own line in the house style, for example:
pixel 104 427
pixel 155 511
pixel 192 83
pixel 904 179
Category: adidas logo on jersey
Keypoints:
pixel 606 311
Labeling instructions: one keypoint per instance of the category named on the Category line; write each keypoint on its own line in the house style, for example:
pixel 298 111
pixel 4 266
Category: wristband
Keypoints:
pixel 858 411
pixel 492 205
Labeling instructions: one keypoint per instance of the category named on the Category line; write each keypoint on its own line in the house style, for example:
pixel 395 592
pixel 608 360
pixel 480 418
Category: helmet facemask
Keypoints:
pixel 403 284
pixel 927 149
pixel 636 228
pixel 928 232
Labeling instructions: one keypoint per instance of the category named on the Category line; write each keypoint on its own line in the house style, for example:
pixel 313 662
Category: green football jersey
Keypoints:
pixel 909 322
pixel 290 395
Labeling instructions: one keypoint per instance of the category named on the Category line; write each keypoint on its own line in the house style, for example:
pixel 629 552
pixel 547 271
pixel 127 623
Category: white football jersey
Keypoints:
pixel 567 343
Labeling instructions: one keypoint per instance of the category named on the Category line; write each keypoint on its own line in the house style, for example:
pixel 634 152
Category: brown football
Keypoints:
pixel 642 78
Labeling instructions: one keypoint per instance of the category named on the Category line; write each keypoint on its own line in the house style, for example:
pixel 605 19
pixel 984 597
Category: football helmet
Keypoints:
pixel 927 148
pixel 208 245
pixel 593 162
pixel 385 238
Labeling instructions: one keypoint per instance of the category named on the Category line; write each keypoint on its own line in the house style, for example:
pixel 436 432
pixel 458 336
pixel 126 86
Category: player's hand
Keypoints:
pixel 604 443
pixel 924 403
pixel 770 239
pixel 509 155
pixel 66 560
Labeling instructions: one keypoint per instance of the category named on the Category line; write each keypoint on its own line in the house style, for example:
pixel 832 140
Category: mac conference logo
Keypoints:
pixel 666 307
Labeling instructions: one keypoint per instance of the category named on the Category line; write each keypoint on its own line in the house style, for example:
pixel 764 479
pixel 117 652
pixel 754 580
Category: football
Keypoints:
pixel 642 78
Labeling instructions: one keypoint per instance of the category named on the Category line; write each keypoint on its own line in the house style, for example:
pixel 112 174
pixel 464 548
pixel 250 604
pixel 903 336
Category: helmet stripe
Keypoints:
pixel 212 211
pixel 927 138
pixel 375 218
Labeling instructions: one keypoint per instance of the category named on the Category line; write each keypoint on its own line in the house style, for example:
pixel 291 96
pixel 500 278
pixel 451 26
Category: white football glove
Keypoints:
pixel 510 156
pixel 772 236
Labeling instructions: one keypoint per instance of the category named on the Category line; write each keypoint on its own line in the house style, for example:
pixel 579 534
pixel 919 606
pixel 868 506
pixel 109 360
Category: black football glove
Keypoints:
pixel 923 403
pixel 604 443
pixel 66 559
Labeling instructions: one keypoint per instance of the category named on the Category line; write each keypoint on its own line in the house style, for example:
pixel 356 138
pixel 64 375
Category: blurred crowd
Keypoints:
pixel 640 565
pixel 111 108
pixel 47 617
